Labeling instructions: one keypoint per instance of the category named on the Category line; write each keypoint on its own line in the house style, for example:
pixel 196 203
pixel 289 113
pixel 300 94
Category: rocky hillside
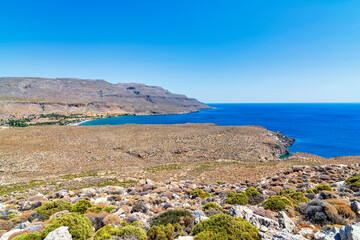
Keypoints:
pixel 302 202
pixel 24 97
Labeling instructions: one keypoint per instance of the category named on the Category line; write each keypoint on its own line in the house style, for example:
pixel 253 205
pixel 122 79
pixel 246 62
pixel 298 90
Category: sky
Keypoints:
pixel 216 51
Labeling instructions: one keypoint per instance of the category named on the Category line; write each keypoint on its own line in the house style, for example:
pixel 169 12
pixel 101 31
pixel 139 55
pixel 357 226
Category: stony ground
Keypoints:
pixel 143 200
pixel 189 151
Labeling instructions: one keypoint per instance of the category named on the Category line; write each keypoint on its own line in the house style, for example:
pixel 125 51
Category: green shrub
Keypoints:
pixel 50 208
pixel 124 223
pixel 254 196
pixel 211 205
pixel 322 187
pixel 199 193
pixel 172 217
pixel 297 197
pixel 132 231
pixel 277 203
pixel 108 209
pixel 105 233
pixel 82 206
pixel 28 236
pixel 161 232
pixel 309 191
pixel 95 209
pixel 225 227
pixel 80 227
pixel 354 181
pixel 238 198
pixel 136 224
pixel 287 191
pixel 251 191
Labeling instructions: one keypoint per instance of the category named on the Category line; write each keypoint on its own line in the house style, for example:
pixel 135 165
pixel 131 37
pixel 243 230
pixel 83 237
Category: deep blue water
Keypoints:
pixel 326 130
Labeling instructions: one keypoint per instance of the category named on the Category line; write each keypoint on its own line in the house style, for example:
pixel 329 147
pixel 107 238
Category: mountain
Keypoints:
pixel 22 97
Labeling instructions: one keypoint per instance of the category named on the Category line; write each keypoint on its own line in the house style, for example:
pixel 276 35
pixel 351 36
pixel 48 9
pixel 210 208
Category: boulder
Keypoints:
pixel 96 220
pixel 262 223
pixel 185 238
pixel 305 231
pixel 350 232
pixel 285 222
pixel 7 235
pixel 333 234
pixel 355 206
pixel 198 215
pixel 59 233
pixel 286 236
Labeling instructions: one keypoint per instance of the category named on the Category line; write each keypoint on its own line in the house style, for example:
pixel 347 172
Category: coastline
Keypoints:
pixel 160 114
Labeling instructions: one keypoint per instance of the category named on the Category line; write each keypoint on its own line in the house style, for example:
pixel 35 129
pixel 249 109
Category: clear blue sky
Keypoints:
pixel 216 51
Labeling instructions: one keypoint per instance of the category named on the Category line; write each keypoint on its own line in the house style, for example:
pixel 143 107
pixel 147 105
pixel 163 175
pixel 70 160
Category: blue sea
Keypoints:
pixel 326 130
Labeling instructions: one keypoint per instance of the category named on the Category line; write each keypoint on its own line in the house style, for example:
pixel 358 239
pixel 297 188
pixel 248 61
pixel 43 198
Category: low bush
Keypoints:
pixel 277 203
pixel 211 205
pixel 254 196
pixel 105 232
pixel 322 187
pixel 82 206
pixel 199 193
pixel 28 236
pixel 287 191
pixel 184 218
pixel 251 191
pixel 297 197
pixel 323 212
pixel 309 191
pixel 52 207
pixel 225 227
pixel 80 227
pixel 237 198
pixel 168 232
pixel 354 181
pixel 212 209
pixel 342 208
pixel 95 209
pixel 108 209
pixel 132 232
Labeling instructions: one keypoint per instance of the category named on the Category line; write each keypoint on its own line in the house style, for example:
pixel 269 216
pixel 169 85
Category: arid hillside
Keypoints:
pixel 199 152
pixel 27 97
pixel 49 150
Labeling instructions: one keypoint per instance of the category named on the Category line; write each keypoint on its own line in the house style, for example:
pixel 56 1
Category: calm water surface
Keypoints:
pixel 327 130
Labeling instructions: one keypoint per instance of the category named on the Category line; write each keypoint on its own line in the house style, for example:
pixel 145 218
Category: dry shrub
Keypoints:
pixel 342 208
pixel 112 219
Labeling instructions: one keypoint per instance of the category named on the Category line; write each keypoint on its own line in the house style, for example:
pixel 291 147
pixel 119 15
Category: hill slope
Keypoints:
pixel 23 97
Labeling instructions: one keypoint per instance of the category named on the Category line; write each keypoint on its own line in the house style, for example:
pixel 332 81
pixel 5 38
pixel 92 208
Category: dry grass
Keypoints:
pixel 200 152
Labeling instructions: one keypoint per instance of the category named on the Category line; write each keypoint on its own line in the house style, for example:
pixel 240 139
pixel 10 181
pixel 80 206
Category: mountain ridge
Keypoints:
pixel 21 97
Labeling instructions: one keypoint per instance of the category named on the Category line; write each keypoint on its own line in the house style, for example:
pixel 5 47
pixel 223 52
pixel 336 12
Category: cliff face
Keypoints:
pixel 23 97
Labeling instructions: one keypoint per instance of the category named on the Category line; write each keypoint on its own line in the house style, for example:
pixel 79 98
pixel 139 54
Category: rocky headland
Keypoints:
pixel 30 98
